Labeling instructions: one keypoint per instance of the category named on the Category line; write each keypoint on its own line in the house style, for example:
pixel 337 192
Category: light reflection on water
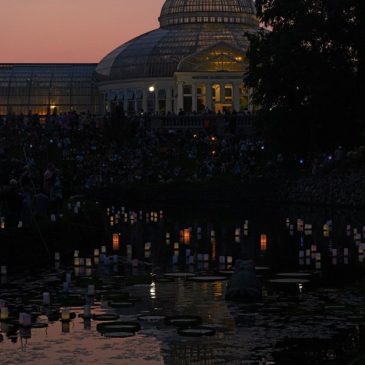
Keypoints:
pixel 244 332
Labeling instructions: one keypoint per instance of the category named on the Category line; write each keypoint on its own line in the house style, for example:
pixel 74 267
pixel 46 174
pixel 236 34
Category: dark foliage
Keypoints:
pixel 307 72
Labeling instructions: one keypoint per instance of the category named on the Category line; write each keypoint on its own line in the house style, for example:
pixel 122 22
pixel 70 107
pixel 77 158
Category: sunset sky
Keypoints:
pixel 71 30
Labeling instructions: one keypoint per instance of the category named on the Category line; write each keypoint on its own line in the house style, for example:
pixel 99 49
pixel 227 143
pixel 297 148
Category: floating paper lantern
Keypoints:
pixel 116 242
pixel 46 298
pixel 318 261
pixel 326 230
pixel 263 241
pixel 186 236
pixel 4 313
pixel 65 314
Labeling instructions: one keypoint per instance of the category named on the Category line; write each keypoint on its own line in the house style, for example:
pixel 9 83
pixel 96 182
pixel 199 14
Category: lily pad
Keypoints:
pixel 118 327
pixel 105 317
pixel 151 318
pixel 178 274
pixel 119 334
pixel 121 304
pixel 196 331
pixel 207 278
pixel 184 321
pixel 294 274
pixel 289 281
pixel 39 325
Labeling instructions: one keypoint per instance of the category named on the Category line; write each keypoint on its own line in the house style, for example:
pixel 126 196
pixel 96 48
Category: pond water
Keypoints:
pixel 155 266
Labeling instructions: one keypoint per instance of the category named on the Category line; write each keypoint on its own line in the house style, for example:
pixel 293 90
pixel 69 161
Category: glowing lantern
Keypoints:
pixel 186 236
pixel 65 316
pixel 263 242
pixel 4 313
pixel 326 230
pixel 115 242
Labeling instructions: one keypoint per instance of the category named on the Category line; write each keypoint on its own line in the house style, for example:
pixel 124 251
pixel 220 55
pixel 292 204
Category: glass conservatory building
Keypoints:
pixel 195 61
pixel 46 88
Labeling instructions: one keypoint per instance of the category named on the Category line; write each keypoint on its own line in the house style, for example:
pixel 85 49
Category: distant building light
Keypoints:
pixel 151 89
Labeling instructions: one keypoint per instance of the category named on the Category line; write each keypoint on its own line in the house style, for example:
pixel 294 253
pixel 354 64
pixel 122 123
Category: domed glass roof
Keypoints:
pixel 187 27
pixel 193 11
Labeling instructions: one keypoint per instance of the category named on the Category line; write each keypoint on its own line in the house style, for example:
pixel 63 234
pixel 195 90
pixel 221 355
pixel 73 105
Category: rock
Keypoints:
pixel 244 284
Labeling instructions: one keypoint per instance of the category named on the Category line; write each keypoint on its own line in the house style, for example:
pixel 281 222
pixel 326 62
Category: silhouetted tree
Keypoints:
pixel 307 72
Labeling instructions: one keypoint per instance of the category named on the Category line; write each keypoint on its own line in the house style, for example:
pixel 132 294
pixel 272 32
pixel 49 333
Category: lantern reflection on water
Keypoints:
pixel 214 249
pixel 263 242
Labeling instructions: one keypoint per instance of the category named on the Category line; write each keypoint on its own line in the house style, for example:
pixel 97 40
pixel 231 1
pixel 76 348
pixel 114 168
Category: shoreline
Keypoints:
pixel 304 191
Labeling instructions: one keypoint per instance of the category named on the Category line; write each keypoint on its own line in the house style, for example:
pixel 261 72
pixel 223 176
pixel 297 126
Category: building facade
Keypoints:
pixel 47 88
pixel 194 62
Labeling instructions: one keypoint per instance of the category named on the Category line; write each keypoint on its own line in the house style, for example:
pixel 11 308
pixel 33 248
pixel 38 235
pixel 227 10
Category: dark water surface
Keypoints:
pixel 310 262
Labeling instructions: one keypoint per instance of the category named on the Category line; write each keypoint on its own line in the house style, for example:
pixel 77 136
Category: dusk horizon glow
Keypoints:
pixel 71 31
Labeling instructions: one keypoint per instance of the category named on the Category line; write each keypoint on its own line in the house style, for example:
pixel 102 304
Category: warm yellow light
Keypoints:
pixel 214 249
pixel 151 89
pixel 263 242
pixel 186 236
pixel 115 242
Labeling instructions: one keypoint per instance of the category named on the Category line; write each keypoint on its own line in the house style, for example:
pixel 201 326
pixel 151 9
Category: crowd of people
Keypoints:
pixel 44 161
